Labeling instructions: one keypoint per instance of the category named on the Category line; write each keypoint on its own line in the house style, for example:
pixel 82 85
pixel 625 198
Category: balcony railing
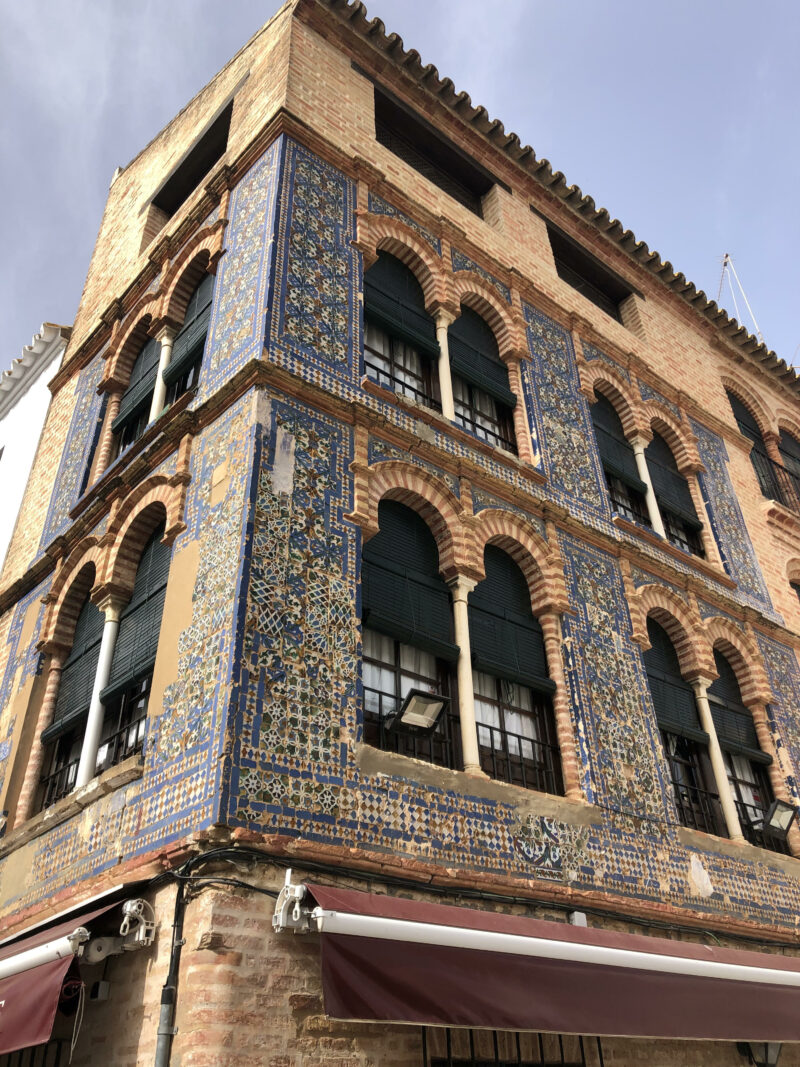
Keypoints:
pixel 54 1054
pixel 751 820
pixel 699 809
pixel 441 748
pixel 519 760
pixel 776 482
pixel 59 783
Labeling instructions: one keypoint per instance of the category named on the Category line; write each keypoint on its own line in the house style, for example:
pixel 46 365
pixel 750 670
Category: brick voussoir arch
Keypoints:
pixel 742 392
pixel 429 497
pixel 604 380
pixel 199 257
pixel 75 579
pixel 380 233
pixel 683 626
pixel 741 651
pixel 156 499
pixel 469 288
pixel 677 436
pixel 123 350
pixel 789 423
pixel 539 561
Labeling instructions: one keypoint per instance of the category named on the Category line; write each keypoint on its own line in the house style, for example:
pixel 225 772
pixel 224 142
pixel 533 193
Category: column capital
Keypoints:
pixel 639 441
pixel 700 683
pixel 443 315
pixel 111 605
pixel 166 333
pixel 461 586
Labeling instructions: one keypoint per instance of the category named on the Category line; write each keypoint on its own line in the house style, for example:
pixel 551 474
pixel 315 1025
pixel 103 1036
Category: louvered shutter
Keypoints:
pixel 474 356
pixel 669 485
pixel 393 298
pixel 140 623
pixel 78 673
pixel 190 342
pixel 616 454
pixel 745 421
pixel 732 720
pixel 402 593
pixel 789 449
pixel 505 638
pixel 141 385
pixel 673 698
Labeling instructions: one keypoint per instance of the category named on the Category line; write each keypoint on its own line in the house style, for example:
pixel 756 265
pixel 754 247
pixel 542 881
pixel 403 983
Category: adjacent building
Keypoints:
pixel 400 628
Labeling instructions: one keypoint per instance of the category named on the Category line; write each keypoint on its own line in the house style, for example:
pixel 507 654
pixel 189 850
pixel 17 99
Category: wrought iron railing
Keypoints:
pixel 442 748
pixel 399 384
pixel 519 760
pixel 699 808
pixel 54 1054
pixel 127 741
pixel 59 783
pixel 445 1047
pixel 776 482
pixel 492 436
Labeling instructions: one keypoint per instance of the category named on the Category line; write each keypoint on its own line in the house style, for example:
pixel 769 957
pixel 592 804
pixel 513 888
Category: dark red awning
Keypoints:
pixel 29 1000
pixel 395 960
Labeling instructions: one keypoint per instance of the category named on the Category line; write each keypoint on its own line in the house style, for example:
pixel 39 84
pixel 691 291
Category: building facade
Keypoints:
pixel 368 422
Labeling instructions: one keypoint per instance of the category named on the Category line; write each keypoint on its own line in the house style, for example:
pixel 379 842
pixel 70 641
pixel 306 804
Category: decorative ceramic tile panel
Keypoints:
pixel 573 466
pixel 647 392
pixel 640 578
pixel 710 611
pixel 379 206
pixel 80 440
pixel 727 522
pixel 462 262
pixel 236 329
pixel 783 675
pixel 379 451
pixel 316 305
pixel 591 352
pixel 482 499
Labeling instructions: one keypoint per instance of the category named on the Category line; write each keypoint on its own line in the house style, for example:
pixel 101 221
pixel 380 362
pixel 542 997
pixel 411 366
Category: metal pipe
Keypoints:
pixel 69 945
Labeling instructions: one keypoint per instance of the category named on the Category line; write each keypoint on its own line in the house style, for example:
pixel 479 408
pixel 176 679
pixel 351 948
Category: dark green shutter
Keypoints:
pixel 732 720
pixel 140 623
pixel 78 673
pixel 190 342
pixel 505 638
pixel 474 356
pixel 402 593
pixel 394 300
pixel 789 449
pixel 745 421
pixel 669 485
pixel 141 385
pixel 673 698
pixel 616 454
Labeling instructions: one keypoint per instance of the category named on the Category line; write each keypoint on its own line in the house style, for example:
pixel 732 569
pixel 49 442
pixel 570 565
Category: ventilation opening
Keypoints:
pixel 188 175
pixel 588 275
pixel 421 147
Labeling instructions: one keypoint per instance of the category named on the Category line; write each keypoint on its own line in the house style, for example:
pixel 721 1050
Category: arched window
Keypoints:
pixel 789 449
pixel 745 763
pixel 407 632
pixel 134 408
pixel 126 695
pixel 767 473
pixel 685 742
pixel 400 346
pixel 673 497
pixel 513 690
pixel 183 371
pixel 484 404
pixel 64 736
pixel 627 490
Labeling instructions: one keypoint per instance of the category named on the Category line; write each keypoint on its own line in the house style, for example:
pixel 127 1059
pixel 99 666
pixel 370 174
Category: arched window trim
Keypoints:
pixel 627 492
pixel 484 403
pixel 189 345
pixel 673 497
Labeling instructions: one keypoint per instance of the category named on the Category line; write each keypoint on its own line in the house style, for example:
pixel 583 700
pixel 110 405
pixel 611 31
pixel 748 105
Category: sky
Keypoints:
pixel 680 118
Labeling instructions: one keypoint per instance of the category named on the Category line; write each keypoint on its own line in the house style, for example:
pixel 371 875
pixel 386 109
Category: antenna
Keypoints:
pixel 732 276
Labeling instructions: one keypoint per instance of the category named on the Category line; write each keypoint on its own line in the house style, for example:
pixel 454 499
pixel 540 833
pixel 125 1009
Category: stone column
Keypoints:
pixel 443 320
pixel 637 444
pixel 104 452
pixel 166 337
pixel 111 608
pixel 570 765
pixel 460 588
pixel 767 745
pixel 33 771
pixel 700 686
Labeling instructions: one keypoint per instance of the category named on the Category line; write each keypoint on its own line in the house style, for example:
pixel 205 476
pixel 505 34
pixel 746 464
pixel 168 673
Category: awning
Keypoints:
pixel 405 961
pixel 29 997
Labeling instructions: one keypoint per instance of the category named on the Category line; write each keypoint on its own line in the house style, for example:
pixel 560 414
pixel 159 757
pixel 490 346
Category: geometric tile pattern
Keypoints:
pixel 76 456
pixel 462 262
pixel 783 675
pixel 379 206
pixel 640 578
pixel 727 521
pixel 380 451
pixel 591 352
pixel 567 437
pixel 649 393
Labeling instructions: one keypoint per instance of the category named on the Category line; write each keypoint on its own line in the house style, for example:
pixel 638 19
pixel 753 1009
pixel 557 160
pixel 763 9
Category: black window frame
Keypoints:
pixel 471 416
pixel 674 500
pixel 395 378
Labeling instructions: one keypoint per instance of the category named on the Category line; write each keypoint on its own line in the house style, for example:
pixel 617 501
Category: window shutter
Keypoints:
pixel 616 454
pixel 141 385
pixel 789 449
pixel 505 638
pixel 474 356
pixel 745 421
pixel 401 591
pixel 190 342
pixel 732 720
pixel 669 485
pixel 78 673
pixel 673 698
pixel 137 639
pixel 393 298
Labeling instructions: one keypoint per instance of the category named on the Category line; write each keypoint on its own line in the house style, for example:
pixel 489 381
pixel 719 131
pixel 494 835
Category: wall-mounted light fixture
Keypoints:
pixel 419 713
pixel 760 1053
pixel 778 819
